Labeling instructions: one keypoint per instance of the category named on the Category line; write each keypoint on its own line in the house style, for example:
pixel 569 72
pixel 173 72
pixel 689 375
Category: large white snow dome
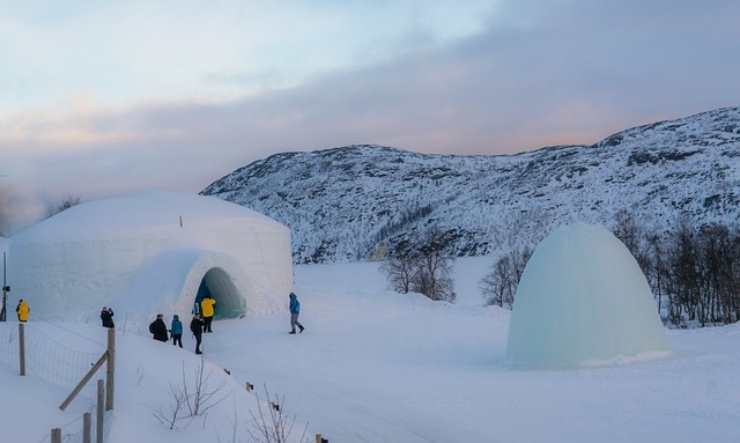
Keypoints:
pixel 150 252
pixel 583 301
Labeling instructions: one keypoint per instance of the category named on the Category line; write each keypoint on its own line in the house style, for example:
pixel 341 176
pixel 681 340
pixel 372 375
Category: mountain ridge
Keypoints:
pixel 359 201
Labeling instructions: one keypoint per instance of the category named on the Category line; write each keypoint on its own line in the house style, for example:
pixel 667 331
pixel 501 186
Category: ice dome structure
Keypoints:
pixel 583 301
pixel 150 252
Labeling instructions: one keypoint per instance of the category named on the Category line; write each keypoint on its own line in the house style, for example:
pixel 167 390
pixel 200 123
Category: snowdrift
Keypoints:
pixel 151 252
pixel 583 300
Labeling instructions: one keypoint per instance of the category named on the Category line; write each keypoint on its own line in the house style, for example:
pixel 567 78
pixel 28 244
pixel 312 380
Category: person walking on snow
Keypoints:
pixel 196 327
pixel 22 310
pixel 295 310
pixel 207 311
pixel 106 316
pixel 176 331
pixel 159 329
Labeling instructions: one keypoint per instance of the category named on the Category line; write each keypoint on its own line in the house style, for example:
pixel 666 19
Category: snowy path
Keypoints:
pixel 376 366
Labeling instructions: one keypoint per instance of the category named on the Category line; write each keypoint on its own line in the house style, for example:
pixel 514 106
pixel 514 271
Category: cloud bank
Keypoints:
pixel 539 73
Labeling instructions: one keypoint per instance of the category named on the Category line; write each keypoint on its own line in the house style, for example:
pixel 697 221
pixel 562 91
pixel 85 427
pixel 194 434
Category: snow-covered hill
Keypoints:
pixel 354 202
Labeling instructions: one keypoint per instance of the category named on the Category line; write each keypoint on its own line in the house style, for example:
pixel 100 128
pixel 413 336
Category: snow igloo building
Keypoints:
pixel 151 252
pixel 583 301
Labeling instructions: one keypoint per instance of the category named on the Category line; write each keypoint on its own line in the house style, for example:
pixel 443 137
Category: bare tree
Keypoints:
pixel 500 284
pixel 433 276
pixel 193 397
pixel 201 396
pixel 271 423
pixel 172 414
pixel 400 270
pixel 625 229
pixel 424 267
pixel 495 285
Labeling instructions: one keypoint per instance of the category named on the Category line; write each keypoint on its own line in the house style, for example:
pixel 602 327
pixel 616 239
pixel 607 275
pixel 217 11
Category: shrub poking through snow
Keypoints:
pixel 270 423
pixel 193 397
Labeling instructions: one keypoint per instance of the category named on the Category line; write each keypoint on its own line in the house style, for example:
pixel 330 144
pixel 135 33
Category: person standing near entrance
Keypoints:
pixel 196 327
pixel 22 310
pixel 159 329
pixel 176 330
pixel 207 311
pixel 295 311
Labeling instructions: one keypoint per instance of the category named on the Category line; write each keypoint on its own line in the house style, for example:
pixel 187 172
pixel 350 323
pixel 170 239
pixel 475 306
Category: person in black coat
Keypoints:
pixel 196 327
pixel 106 316
pixel 159 329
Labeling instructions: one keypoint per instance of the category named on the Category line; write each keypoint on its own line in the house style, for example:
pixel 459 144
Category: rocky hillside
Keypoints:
pixel 356 202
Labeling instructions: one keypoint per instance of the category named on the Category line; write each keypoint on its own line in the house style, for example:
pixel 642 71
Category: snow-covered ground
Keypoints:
pixel 146 371
pixel 375 366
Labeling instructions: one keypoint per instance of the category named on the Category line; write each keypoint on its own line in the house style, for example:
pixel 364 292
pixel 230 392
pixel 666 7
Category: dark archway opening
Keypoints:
pixel 217 283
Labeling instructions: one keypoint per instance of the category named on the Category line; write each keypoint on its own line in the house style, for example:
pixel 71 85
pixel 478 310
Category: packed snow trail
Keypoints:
pixel 379 366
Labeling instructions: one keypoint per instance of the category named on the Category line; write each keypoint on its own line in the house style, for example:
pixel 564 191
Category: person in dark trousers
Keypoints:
pixel 176 330
pixel 159 329
pixel 207 311
pixel 295 311
pixel 196 327
pixel 106 316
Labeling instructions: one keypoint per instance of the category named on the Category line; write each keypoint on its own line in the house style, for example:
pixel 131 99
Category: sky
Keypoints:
pixel 105 97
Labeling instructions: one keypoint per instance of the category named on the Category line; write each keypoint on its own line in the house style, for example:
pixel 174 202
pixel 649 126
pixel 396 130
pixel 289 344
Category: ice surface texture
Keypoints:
pixel 582 301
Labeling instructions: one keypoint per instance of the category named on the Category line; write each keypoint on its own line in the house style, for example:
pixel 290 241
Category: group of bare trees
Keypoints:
pixel 693 272
pixel 424 268
pixel 499 285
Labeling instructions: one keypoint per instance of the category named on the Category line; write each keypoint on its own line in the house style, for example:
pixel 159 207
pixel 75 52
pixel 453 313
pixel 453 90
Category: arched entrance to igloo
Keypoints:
pixel 217 283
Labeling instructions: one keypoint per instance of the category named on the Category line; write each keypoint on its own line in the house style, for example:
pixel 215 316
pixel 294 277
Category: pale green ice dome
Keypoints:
pixel 583 301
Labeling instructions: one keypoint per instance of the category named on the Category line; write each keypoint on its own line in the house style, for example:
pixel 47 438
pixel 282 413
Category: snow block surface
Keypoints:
pixel 583 301
pixel 149 252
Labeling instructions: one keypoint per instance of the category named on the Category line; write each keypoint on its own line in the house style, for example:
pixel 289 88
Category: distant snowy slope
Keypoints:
pixel 354 202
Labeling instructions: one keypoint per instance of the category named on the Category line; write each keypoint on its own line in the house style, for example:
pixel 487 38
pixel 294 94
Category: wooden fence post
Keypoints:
pixel 56 435
pixel 22 347
pixel 87 428
pixel 101 411
pixel 84 381
pixel 110 370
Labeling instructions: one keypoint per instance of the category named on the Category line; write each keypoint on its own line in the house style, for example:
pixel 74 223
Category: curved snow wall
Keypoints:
pixel 582 301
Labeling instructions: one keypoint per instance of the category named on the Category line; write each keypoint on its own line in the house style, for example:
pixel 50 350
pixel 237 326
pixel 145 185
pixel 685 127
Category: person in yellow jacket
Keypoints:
pixel 207 311
pixel 22 310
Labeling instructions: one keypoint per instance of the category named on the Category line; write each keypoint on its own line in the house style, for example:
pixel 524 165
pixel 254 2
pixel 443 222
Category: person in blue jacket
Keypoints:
pixel 295 310
pixel 176 331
